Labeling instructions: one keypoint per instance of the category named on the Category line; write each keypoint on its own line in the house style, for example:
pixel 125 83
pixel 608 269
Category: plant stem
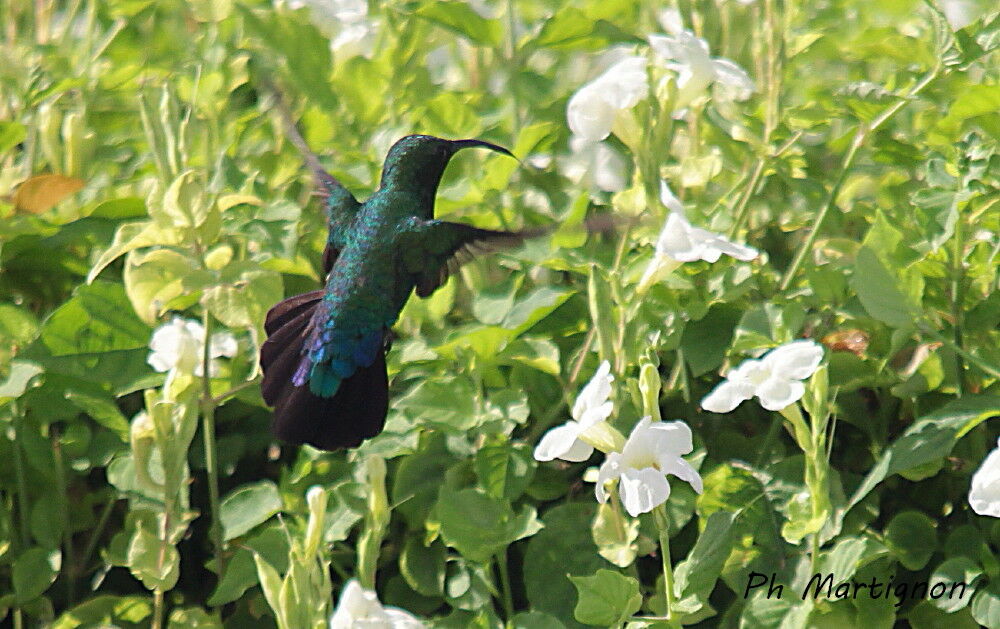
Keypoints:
pixel 663 525
pixel 208 436
pixel 859 139
pixel 957 297
pixel 23 506
pixel 95 536
pixel 60 471
pixel 508 598
pixel 157 609
pixel 807 244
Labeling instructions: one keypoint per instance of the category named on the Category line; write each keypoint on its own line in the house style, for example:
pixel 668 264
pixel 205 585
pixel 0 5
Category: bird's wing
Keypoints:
pixel 432 250
pixel 339 203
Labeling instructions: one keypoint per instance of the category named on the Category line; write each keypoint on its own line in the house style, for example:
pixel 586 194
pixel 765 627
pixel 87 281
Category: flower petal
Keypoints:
pixel 984 494
pixel 642 490
pixel 560 441
pixel 589 115
pixel 400 619
pixel 625 83
pixel 595 393
pixel 796 360
pixel 609 470
pixel 356 603
pixel 777 393
pixel 724 398
pixel 682 470
pixel 672 438
pixel 734 81
pixel 668 199
pixel 675 240
pixel 223 344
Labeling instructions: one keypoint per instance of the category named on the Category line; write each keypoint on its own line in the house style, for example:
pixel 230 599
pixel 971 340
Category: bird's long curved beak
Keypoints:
pixel 464 144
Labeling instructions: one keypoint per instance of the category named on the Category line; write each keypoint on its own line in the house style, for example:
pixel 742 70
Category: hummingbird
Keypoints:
pixel 324 357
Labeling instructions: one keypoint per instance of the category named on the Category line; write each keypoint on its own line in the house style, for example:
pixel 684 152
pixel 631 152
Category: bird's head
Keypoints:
pixel 416 162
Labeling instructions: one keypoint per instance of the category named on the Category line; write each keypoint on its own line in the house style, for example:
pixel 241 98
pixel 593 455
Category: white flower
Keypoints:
pixel 359 608
pixel 984 496
pixel 179 345
pixel 596 164
pixel 697 70
pixel 680 241
pixel 592 406
pixel 652 451
pixel 354 32
pixel 775 379
pixel 592 110
pixel 961 13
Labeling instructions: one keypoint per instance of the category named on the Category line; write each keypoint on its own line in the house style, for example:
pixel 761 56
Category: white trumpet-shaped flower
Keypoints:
pixel 774 379
pixel 359 608
pixel 697 71
pixel 984 495
pixel 652 451
pixel 680 241
pixel 179 345
pixel 353 32
pixel 592 406
pixel 591 111
pixel 595 164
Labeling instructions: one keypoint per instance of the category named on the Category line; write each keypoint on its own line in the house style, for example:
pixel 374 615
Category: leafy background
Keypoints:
pixel 143 172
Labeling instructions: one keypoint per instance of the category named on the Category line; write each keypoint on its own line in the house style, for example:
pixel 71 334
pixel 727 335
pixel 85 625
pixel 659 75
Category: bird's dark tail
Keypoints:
pixel 356 412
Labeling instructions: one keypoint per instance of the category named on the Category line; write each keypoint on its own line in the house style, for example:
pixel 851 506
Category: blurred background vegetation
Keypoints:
pixel 143 173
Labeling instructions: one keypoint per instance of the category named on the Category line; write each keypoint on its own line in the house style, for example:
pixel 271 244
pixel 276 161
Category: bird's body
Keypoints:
pixel 324 360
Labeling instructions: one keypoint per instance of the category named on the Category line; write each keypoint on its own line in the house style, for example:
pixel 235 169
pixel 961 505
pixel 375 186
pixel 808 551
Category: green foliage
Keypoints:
pixel 143 176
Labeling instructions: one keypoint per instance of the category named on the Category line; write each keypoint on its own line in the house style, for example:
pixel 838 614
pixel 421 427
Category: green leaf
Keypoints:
pixel 125 207
pixel 133 236
pixel 247 507
pixel 884 295
pixel 155 563
pixel 478 525
pixel 606 599
pixel 460 18
pixel 193 618
pixel 244 302
pixel 959 574
pixel 570 28
pixel 102 410
pixel 912 538
pixel 153 279
pixel 271 543
pixel 34 571
pixel 986 606
pixel 423 566
pixel 270 582
pixel 539 353
pixel 21 373
pixel 601 311
pixel 929 439
pixel 564 547
pixel 18 325
pixel 535 620
pixel 106 610
pixel 705 341
pixel 534 307
pixel 615 535
pixel 11 134
pixel 974 101
pixel 696 575
pixel 184 204
pixel 505 469
pixel 97 318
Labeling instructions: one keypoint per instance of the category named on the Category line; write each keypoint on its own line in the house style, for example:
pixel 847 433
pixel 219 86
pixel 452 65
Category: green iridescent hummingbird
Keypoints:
pixel 324 358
